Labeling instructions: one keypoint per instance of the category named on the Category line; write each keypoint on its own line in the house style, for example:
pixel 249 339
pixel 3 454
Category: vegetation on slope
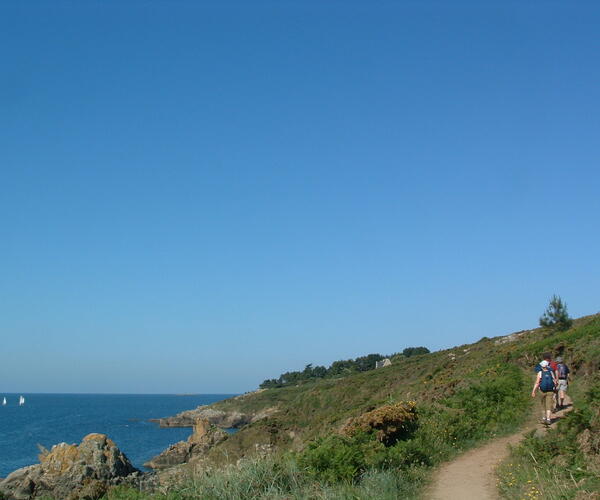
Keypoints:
pixel 436 382
pixel 457 398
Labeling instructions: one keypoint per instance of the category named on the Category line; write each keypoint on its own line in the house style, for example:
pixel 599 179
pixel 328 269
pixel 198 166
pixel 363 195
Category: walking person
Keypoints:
pixel 546 382
pixel 552 365
pixel 562 374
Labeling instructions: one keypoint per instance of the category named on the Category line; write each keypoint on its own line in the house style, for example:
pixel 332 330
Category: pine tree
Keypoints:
pixel 556 315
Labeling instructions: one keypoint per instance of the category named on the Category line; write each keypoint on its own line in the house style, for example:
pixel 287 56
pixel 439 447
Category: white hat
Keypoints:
pixel 544 364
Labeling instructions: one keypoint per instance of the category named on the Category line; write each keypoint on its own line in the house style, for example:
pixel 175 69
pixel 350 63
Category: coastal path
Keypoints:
pixel 471 476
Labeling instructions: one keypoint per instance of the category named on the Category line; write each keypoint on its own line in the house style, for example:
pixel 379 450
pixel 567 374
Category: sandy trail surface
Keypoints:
pixel 471 476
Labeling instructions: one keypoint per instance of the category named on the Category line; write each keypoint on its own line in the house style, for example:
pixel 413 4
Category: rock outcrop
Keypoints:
pixel 204 437
pixel 220 418
pixel 72 472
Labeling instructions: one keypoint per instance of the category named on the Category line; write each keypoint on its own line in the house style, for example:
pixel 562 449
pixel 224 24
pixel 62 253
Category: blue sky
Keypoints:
pixel 196 196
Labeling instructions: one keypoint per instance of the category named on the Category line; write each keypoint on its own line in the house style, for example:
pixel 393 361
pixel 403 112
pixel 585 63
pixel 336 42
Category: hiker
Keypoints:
pixel 546 381
pixel 552 366
pixel 562 374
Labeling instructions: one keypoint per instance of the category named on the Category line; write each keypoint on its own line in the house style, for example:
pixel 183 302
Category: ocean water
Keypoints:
pixel 48 419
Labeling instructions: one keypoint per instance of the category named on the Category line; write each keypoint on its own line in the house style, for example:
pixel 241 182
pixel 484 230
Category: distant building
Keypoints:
pixel 383 363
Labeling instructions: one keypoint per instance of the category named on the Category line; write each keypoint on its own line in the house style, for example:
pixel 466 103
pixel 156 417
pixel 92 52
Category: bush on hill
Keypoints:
pixel 389 423
pixel 414 351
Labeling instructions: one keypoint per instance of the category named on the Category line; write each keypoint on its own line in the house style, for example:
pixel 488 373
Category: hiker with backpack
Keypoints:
pixel 562 374
pixel 552 366
pixel 546 382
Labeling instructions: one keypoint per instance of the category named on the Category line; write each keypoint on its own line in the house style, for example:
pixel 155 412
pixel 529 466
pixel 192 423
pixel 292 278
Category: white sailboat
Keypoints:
pixel 4 402
pixel 21 400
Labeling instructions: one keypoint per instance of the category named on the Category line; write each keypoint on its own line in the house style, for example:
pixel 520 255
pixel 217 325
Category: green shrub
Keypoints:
pixel 388 423
pixel 491 405
pixel 408 453
pixel 334 458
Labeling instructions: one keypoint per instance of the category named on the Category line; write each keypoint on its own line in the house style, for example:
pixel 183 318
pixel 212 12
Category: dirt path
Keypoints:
pixel 471 476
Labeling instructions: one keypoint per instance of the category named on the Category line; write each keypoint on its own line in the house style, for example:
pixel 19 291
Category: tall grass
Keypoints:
pixel 273 479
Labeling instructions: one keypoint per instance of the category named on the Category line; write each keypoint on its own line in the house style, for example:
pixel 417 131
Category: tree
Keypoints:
pixel 415 351
pixel 556 315
pixel 366 363
pixel 270 383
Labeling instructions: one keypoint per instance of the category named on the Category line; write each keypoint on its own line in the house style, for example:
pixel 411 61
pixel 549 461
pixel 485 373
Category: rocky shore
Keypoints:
pixel 218 418
pixel 204 437
pixel 72 472
pixel 90 469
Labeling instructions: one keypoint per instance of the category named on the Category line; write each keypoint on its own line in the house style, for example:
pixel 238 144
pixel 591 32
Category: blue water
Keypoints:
pixel 49 419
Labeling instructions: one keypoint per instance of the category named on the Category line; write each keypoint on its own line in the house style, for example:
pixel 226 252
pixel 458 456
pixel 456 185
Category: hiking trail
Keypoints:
pixel 471 476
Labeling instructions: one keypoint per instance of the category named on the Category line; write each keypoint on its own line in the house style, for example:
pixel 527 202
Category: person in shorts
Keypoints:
pixel 545 381
pixel 552 365
pixel 562 374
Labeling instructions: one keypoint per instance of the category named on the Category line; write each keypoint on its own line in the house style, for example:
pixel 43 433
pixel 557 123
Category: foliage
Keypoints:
pixel 362 444
pixel 334 458
pixel 389 423
pixel 556 315
pixel 496 401
pixel 339 458
pixel 414 351
pixel 310 372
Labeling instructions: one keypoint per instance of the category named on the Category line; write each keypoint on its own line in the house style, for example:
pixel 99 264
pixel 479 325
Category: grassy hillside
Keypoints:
pixel 457 398
pixel 434 380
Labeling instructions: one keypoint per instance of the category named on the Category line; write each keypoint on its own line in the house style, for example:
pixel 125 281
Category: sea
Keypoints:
pixel 49 419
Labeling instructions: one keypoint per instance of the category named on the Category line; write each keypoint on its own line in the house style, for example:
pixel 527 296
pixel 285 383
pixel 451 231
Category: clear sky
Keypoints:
pixel 196 196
